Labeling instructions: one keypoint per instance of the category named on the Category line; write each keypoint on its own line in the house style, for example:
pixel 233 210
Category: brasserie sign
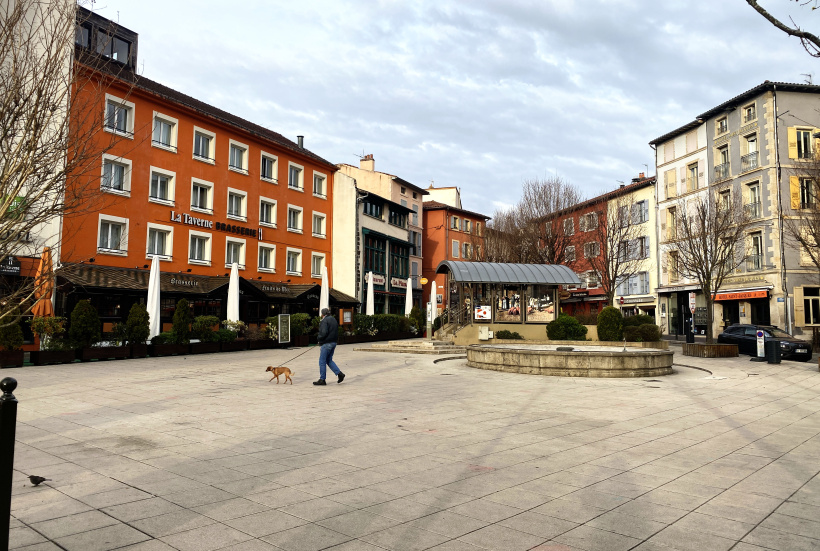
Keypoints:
pixel 184 218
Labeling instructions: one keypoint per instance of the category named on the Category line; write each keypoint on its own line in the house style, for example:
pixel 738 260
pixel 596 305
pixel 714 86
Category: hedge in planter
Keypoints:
pixel 299 324
pixel 203 328
pixel 84 329
pixel 181 324
pixel 509 335
pixel 610 324
pixel 53 347
pixel 566 328
pixel 11 340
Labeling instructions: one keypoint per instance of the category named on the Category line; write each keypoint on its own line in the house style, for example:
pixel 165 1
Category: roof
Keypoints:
pixel 393 204
pixel 604 197
pixel 395 178
pixel 335 296
pixel 766 86
pixel 498 272
pixel 435 205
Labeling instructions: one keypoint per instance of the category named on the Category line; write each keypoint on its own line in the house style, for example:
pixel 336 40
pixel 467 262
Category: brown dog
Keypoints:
pixel 276 371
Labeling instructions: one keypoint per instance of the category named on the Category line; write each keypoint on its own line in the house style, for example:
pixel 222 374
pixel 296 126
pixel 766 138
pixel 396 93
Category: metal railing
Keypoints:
pixel 749 161
pixel 163 144
pixel 722 172
pixel 754 262
pixel 241 169
pixel 753 210
pixel 811 205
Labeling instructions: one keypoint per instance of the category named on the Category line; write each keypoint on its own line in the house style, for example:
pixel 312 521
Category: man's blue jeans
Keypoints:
pixel 326 358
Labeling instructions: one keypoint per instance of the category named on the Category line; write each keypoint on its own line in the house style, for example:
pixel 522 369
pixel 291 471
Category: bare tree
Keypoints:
pixel 705 235
pixel 810 41
pixel 618 247
pixel 52 113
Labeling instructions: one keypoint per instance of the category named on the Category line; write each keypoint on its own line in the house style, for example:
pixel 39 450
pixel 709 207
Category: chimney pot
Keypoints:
pixel 301 141
pixel 641 175
pixel 368 163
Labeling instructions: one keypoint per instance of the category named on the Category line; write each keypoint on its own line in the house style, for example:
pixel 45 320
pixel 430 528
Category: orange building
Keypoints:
pixel 200 189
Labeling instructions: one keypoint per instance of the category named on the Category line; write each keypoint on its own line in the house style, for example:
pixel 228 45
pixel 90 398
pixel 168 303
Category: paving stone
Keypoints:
pixel 264 523
pixel 171 523
pixel 502 538
pixel 448 523
pixel 206 538
pixel 102 539
pixel 309 537
pixel 405 538
pixel 358 523
pixel 593 539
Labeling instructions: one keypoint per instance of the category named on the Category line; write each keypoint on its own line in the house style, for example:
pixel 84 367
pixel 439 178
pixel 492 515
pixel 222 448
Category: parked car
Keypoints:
pixel 745 337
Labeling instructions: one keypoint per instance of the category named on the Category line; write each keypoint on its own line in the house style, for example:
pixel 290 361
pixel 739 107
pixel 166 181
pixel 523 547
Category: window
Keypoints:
pixel 456 248
pixel 808 193
pixel 236 204
pixel 374 259
pixel 569 254
pixel 159 240
pixel 670 184
pixel 82 36
pixel 403 190
pixel 294 219
pixel 294 262
pixel 404 202
pixel 204 145
pixel 161 188
pixel 466 252
pixel 592 280
pixel 588 222
pixel 372 209
pixel 722 166
pixel 722 125
pixel 478 228
pixel 640 212
pixel 454 223
pixel 201 196
pixel 119 116
pixel 267 258
pixel 804 149
pixel 753 207
pixel 692 177
pixel 397 218
pixel 113 47
pixel 268 168
pixel 295 177
pixel 592 249
pixel 749 161
pixel 642 247
pixel 112 235
pixel 165 132
pixel 234 252
pixel 725 200
pixel 317 262
pixel 319 181
pixel 569 226
pixel 811 305
pixel 755 259
pixel 465 225
pixel 238 157
pixel 749 113
pixel 116 175
pixel 415 214
pixel 672 266
pixel 267 212
pixel 671 223
pixel 199 251
pixel 319 224
pixel 399 261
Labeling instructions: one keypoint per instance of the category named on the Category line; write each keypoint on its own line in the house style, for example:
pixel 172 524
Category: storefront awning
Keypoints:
pixel 743 295
pixel 498 272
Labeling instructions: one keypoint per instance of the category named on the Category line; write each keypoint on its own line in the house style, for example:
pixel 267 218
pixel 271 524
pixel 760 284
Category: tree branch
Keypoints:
pixel 811 42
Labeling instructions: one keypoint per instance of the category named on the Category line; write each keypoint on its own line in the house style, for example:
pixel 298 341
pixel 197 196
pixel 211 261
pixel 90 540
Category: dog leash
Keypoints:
pixel 309 348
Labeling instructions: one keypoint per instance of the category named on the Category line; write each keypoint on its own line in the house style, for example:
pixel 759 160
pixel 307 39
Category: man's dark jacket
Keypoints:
pixel 328 330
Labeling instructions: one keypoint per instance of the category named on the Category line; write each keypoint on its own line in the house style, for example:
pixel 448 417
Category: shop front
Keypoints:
pixel 676 315
pixel 750 305
pixel 641 305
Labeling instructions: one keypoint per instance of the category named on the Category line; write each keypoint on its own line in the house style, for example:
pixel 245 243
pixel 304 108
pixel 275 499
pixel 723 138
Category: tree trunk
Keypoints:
pixel 710 315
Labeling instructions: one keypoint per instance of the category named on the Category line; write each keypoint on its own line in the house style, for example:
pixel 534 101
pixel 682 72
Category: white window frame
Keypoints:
pixel 208 247
pixel 206 184
pixel 233 144
pixel 324 185
pixel 123 238
pixel 272 269
pixel 172 176
pixel 129 123
pixel 455 223
pixel 456 249
pixel 314 256
pixel 275 211
pixel 301 219
pixel 126 176
pixel 243 217
pixel 291 272
pixel 323 216
pixel 274 173
pixel 466 251
pixel 571 226
pixel 169 242
pixel 211 146
pixel 242 251
pixel 718 131
pixel 569 249
pixel 172 147
pixel 301 188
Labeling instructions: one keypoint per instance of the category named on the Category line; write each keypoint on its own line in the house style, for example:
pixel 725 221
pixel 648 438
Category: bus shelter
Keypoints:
pixel 495 292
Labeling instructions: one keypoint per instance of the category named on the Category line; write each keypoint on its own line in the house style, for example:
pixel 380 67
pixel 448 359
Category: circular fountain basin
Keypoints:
pixel 581 361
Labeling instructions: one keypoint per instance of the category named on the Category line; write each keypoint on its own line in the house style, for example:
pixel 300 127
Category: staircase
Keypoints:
pixel 415 347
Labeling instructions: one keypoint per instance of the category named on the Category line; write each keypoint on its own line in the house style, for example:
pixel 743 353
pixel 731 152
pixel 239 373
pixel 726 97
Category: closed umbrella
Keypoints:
pixel 408 299
pixel 233 294
pixel 370 306
pixel 44 286
pixel 324 295
pixel 153 305
pixel 433 307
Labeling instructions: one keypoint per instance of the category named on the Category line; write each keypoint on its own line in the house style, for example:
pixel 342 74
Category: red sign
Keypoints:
pixel 622 300
pixel 742 296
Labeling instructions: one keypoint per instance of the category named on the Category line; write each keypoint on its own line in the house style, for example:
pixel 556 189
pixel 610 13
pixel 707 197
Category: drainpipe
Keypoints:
pixel 658 242
pixel 778 170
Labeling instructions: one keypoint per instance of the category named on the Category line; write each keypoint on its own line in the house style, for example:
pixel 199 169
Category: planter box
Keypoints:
pixel 301 340
pixel 699 350
pixel 11 358
pixel 262 344
pixel 139 350
pixel 204 347
pixel 103 353
pixel 168 349
pixel 45 357
pixel 234 346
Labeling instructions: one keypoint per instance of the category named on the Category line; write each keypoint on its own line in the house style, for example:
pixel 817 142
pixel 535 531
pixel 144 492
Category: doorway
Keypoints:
pixel 731 313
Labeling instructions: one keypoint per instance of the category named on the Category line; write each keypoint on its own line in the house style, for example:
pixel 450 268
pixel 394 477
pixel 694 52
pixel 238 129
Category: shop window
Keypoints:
pixel 508 304
pixel 811 305
pixel 540 305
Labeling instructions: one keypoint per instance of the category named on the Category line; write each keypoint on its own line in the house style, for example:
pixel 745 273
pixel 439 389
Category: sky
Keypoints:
pixel 478 94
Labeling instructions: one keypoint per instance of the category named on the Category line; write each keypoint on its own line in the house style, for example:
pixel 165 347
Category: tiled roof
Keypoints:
pixel 435 205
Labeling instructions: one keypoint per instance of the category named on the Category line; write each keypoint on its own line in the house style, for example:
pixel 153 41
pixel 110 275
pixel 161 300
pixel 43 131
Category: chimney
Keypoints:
pixel 368 163
pixel 301 141
pixel 641 175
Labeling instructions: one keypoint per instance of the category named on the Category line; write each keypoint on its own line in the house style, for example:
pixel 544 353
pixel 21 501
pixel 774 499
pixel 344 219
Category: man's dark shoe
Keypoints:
pixel 341 377
pixel 320 382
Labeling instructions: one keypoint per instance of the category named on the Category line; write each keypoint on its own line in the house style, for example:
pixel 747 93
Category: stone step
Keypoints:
pixel 412 350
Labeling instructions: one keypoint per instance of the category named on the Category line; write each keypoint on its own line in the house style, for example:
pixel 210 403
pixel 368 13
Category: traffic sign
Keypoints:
pixel 622 300
pixel 761 348
pixel 692 302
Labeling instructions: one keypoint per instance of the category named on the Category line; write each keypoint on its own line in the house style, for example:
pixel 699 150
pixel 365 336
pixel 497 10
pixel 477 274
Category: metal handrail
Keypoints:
pixel 749 161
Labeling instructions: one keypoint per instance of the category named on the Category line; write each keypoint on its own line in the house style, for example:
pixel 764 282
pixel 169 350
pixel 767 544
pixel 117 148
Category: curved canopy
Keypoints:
pixel 498 272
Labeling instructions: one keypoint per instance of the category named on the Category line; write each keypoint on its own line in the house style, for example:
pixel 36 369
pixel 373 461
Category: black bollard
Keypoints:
pixel 8 426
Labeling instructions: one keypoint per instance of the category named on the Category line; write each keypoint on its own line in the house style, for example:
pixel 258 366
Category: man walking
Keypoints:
pixel 327 337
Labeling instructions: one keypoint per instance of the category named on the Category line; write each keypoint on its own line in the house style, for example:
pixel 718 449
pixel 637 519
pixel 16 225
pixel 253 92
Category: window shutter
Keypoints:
pixel 799 312
pixel 794 189
pixel 683 175
pixel 701 181
pixel 792 133
pixel 646 247
pixel 645 210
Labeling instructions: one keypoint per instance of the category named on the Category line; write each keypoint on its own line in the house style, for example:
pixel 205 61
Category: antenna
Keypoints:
pixel 359 156
pixel 808 77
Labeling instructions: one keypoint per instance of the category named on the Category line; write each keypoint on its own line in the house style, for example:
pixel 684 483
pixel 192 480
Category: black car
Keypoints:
pixel 745 337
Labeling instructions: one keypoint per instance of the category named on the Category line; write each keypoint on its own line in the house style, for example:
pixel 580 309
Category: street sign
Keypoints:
pixel 622 300
pixel 692 302
pixel 761 349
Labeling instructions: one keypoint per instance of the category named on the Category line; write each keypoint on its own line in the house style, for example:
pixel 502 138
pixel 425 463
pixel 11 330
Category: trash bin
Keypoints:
pixel 772 349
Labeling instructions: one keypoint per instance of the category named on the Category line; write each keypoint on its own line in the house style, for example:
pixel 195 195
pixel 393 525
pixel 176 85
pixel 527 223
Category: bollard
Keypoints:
pixel 8 425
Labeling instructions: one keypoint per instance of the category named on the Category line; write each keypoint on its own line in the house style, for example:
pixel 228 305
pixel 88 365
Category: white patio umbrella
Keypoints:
pixel 408 299
pixel 370 306
pixel 153 304
pixel 233 294
pixel 324 295
pixel 433 302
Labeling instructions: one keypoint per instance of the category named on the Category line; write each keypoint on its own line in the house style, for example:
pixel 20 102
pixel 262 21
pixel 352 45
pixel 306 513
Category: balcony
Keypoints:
pixel 722 172
pixel 753 210
pixel 754 262
pixel 749 162
pixel 811 205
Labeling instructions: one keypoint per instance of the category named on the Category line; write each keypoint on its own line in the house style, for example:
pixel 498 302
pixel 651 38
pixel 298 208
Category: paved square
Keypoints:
pixel 202 453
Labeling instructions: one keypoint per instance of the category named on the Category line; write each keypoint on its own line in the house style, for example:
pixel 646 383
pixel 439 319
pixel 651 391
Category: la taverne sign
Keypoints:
pixel 184 218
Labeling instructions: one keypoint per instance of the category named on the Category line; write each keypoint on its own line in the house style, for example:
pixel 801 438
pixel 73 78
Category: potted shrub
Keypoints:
pixel 176 341
pixel 228 341
pixel 299 324
pixel 272 329
pixel 203 329
pixel 53 347
pixel 258 338
pixel 84 333
pixel 11 341
pixel 136 330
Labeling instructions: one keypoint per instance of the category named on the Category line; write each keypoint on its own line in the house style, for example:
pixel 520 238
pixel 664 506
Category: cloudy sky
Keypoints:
pixel 479 94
